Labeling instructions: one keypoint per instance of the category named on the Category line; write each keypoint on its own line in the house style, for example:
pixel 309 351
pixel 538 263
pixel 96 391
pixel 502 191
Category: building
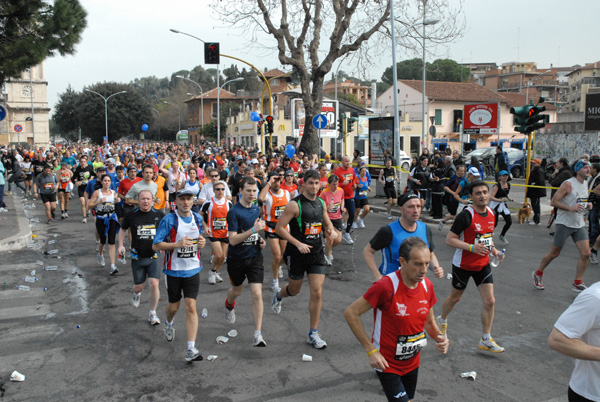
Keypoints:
pixel 26 103
pixel 348 87
pixel 582 80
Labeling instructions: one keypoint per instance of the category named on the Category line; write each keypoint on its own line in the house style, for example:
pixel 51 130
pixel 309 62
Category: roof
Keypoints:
pixel 517 99
pixel 589 66
pixel 274 73
pixel 455 91
pixel 212 94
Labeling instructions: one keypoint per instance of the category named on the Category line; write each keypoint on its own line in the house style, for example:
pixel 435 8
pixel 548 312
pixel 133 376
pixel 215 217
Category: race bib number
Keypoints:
pixel 146 232
pixel 313 230
pixel 108 207
pixel 220 223
pixel 38 168
pixel 409 346
pixel 279 211
pixel 86 175
pixel 251 240
pixel 362 193
pixel 389 179
pixel 48 186
pixel 349 177
pixel 333 208
pixel 485 239
pixel 64 179
pixel 188 252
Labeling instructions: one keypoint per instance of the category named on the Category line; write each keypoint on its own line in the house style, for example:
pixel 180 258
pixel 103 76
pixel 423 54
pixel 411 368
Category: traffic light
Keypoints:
pixel 528 118
pixel 351 122
pixel 259 127
pixel 269 120
pixel 341 123
pixel 211 53
pixel 537 120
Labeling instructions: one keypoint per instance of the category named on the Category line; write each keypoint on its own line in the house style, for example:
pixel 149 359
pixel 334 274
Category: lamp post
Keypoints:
pixel 178 111
pixel 219 108
pixel 424 125
pixel 105 107
pixel 395 76
pixel 32 109
pixel 201 96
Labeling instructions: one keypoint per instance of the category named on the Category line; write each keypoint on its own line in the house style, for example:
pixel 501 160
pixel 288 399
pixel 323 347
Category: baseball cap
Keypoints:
pixel 220 162
pixel 473 171
pixel 185 191
pixel 110 161
pixel 207 152
pixel 255 161
pixel 272 173
pixel 502 173
pixel 101 168
pixel 407 197
pixel 289 172
pixel 239 157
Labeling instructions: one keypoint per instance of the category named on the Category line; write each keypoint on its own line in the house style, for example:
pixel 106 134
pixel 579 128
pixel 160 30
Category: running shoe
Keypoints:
pixel 153 319
pixel 490 345
pixel 230 316
pixel 594 258
pixel 84 220
pixel 443 325
pixel 113 269
pixel 135 300
pixel 503 239
pixel 537 281
pixel 390 217
pixel 212 279
pixel 3 209
pixel 192 355
pixel 259 341
pixel 276 304
pixel 440 226
pixel 49 221
pixel 361 224
pixel 354 225
pixel 328 260
pixel 62 215
pixel 315 339
pixel 66 214
pixel 53 215
pixel 97 246
pixel 346 237
pixel 169 332
pixel 275 286
pixel 280 275
pixel 578 288
pixel 218 277
pixel 101 260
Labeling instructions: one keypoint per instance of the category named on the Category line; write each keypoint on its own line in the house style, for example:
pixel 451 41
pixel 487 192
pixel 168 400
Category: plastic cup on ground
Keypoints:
pixel 306 358
pixel 222 339
pixel 16 376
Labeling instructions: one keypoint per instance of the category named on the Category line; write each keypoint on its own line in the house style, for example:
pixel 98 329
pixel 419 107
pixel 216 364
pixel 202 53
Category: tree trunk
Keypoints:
pixel 312 107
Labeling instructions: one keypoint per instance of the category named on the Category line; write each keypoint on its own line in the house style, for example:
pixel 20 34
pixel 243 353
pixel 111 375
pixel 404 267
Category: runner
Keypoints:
pixel 145 184
pixel 571 202
pixel 289 185
pixel 125 185
pixel 453 199
pixel 499 196
pixel 471 235
pixel 107 225
pixel 142 224
pixel 64 189
pixel 245 256
pixel 46 184
pixel 346 176
pixel 333 196
pixel 179 234
pixel 207 191
pixel 388 177
pixel 323 171
pixel 361 202
pixel 194 185
pixel 306 215
pixel 389 238
pixel 214 211
pixel 403 301
pixel 274 199
pixel 83 173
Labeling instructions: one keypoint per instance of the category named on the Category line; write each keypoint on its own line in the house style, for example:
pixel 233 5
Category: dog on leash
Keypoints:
pixel 524 213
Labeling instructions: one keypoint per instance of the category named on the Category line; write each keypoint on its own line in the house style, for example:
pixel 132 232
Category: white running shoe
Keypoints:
pixel 490 345
pixel 230 316
pixel 169 332
pixel 275 286
pixel 354 225
pixel 212 278
pixel 259 341
pixel 113 269
pixel 66 214
pixel 390 217
pixel 84 220
pixel 315 339
pixel 346 237
pixel 440 226
pixel 218 277
pixel 594 258
pixel 276 304
pixel 361 224
pixel 192 355
pixel 101 260
pixel 503 239
pixel 153 319
pixel 135 300
pixel 280 275
pixel 328 260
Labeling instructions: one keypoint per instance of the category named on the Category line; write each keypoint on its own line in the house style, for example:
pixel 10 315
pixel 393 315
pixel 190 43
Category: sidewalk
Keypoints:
pixel 15 231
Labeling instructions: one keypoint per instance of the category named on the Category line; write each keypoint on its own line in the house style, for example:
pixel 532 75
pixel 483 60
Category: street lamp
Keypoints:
pixel 395 76
pixel 105 107
pixel 178 110
pixel 424 124
pixel 219 107
pixel 201 95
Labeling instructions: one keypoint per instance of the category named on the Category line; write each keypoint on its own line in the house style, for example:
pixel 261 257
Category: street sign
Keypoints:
pixel 432 131
pixel 18 128
pixel 320 121
pixel 2 113
pixel 481 118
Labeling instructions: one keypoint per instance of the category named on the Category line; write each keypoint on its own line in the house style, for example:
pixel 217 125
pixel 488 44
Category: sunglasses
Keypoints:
pixel 213 176
pixel 289 175
pixel 219 189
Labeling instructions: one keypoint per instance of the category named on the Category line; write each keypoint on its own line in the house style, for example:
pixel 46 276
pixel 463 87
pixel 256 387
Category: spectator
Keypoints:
pixel 536 178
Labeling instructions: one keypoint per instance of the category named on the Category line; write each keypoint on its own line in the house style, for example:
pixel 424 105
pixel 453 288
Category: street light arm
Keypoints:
pixel 233 80
pixel 117 93
pixel 190 80
pixel 94 92
pixel 187 34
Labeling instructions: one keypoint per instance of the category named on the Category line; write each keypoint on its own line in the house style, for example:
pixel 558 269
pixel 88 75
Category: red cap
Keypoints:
pixel 155 168
pixel 220 162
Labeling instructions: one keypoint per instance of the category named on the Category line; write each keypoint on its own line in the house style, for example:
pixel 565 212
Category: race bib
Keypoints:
pixel 349 177
pixel 86 175
pixel 220 223
pixel 485 239
pixel 362 193
pixel 251 240
pixel 64 179
pixel 409 346
pixel 333 208
pixel 146 232
pixel 188 252
pixel 389 179
pixel 48 186
pixel 279 211
pixel 313 230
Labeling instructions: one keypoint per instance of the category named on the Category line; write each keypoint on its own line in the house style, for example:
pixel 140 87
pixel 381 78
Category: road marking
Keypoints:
pixel 14 294
pixel 31 360
pixel 44 331
pixel 16 267
pixel 22 312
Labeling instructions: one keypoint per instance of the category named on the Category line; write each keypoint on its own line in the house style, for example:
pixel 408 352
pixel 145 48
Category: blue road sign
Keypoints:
pixel 320 121
pixel 2 113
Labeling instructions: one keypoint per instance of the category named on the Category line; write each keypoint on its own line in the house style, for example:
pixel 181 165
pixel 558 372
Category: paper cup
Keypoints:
pixel 16 376
pixel 232 334
pixel 469 374
pixel 222 339
pixel 211 358
pixel 306 358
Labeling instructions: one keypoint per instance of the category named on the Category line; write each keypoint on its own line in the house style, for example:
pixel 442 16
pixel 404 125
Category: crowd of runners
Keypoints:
pixel 160 204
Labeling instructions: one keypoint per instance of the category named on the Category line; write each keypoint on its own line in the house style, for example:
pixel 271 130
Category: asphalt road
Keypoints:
pixel 115 355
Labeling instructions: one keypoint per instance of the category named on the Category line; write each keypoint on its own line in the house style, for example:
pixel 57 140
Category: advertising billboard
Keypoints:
pixel 481 118
pixel 328 108
pixel 381 137
pixel 592 112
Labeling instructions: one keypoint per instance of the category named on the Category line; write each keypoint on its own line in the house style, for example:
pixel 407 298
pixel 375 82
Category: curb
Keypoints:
pixel 22 237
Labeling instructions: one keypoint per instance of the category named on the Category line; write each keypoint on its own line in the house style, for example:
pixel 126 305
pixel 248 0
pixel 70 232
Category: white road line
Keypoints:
pixel 44 331
pixel 22 312
pixel 18 294
pixel 31 360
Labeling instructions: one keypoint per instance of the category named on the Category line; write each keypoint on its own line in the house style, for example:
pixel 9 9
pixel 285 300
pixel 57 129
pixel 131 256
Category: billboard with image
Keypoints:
pixel 328 108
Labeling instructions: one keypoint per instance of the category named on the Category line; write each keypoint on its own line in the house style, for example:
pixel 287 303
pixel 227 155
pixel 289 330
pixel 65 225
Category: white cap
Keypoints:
pixel 474 171
pixel 207 152
pixel 255 161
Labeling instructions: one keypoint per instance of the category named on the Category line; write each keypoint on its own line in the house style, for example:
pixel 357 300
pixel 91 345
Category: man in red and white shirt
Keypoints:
pixel 347 176
pixel 471 235
pixel 403 310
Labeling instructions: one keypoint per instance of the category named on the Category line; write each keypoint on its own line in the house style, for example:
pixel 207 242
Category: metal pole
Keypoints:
pixel 32 109
pixel 423 134
pixel 395 78
pixel 106 118
pixel 218 108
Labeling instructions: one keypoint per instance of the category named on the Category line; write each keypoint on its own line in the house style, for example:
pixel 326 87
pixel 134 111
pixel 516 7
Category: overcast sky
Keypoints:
pixel 130 39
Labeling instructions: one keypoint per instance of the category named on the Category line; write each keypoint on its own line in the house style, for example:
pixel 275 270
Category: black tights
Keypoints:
pixel 507 222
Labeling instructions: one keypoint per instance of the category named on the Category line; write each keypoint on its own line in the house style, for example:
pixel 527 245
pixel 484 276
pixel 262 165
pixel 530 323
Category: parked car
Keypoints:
pixel 404 161
pixel 516 158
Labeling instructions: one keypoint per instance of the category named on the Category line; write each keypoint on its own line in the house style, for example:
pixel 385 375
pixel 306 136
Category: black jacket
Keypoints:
pixel 564 173
pixel 536 178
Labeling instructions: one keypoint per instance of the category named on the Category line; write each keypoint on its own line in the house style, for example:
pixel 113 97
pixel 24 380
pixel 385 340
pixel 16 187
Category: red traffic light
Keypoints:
pixel 269 119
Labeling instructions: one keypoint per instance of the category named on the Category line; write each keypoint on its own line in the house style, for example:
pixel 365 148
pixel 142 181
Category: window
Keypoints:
pixel 438 117
pixel 457 121
pixel 275 82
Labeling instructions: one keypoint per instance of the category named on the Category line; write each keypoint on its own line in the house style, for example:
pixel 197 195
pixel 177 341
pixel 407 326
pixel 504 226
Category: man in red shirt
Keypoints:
pixel 125 186
pixel 295 165
pixel 403 301
pixel 347 176
pixel 471 235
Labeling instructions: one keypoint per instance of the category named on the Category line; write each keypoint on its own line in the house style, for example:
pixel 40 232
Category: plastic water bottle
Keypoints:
pixel 496 260
pixel 51 268
pixel 24 287
pixel 204 313
pixel 55 251
pixel 122 256
pixel 32 273
pixel 30 279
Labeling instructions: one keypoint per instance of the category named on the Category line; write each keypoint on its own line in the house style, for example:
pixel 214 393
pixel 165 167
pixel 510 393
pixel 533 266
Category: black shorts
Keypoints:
pixel 172 197
pixel 361 202
pixel 239 269
pixel 61 190
pixel 81 191
pixel 48 197
pixel 460 277
pixel 143 268
pixel 127 208
pixel 112 230
pixel 119 210
pixel 270 235
pixel 310 263
pixel 221 239
pixel 188 286
pixel 338 224
pixel 390 192
pixel 399 387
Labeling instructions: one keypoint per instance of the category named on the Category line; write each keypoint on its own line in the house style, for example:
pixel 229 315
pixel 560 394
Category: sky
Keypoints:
pixel 130 39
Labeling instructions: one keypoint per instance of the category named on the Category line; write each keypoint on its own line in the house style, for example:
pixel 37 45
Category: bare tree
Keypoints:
pixel 357 31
